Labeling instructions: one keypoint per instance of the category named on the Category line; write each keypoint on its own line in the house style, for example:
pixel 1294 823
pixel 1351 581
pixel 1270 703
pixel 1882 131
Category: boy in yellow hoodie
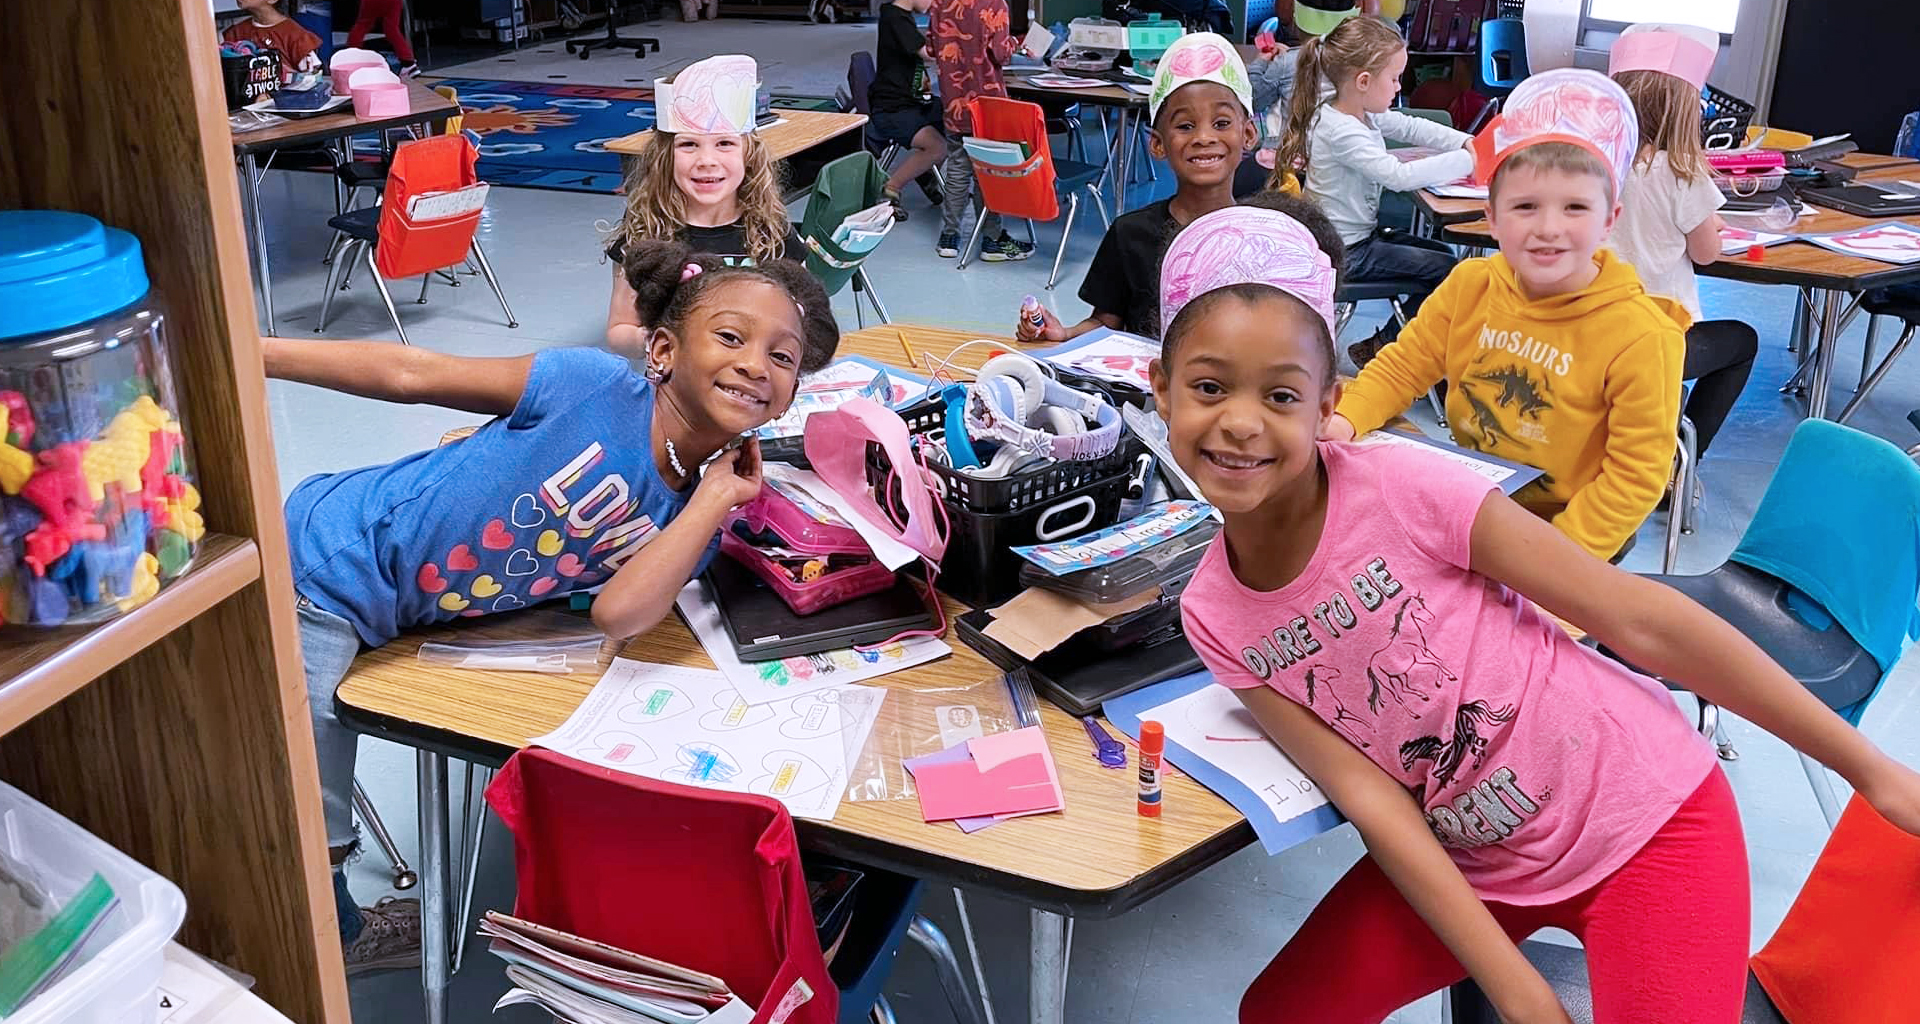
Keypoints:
pixel 1553 354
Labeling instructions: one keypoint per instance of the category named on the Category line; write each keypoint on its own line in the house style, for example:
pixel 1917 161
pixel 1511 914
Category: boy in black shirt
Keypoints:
pixel 1202 117
pixel 904 110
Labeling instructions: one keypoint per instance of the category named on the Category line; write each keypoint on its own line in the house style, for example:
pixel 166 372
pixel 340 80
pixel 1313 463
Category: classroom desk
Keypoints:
pixel 425 107
pixel 1830 283
pixel 1096 859
pixel 823 132
pixel 1129 106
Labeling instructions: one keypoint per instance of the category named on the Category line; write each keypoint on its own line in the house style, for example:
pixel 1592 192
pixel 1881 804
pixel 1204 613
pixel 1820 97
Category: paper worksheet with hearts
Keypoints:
pixel 691 726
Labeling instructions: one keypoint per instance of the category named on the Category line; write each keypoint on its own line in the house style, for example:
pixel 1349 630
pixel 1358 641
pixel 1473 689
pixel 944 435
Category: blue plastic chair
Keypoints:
pixel 1503 54
pixel 884 919
pixel 1826 577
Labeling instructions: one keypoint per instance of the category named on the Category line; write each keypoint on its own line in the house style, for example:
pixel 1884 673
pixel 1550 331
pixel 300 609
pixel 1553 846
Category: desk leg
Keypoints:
pixel 1052 941
pixel 1831 320
pixel 250 193
pixel 1125 170
pixel 436 896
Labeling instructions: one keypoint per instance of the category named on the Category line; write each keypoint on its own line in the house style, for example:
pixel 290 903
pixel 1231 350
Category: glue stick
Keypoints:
pixel 1153 740
pixel 1030 309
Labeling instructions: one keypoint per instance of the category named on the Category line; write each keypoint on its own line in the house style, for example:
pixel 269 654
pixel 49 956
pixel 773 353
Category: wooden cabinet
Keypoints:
pixel 179 731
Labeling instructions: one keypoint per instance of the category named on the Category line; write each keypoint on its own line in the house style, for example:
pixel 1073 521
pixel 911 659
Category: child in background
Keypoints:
pixel 385 15
pixel 1336 146
pixel 269 26
pixel 1553 354
pixel 971 43
pixel 1201 112
pixel 1273 73
pixel 589 473
pixel 1668 218
pixel 904 111
pixel 1374 608
pixel 705 179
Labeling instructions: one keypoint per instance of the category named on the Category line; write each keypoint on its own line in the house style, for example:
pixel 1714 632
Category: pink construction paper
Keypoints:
pixel 1008 773
pixel 956 753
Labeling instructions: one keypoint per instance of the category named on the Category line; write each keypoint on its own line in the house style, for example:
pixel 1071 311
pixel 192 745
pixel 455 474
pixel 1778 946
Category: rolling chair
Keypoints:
pixel 613 39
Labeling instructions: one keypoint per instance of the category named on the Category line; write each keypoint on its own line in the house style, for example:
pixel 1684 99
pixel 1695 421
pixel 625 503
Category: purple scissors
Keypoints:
pixel 1108 751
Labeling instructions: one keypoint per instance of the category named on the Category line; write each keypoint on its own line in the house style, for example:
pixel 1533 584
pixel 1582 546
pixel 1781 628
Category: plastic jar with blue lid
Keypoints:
pixel 98 507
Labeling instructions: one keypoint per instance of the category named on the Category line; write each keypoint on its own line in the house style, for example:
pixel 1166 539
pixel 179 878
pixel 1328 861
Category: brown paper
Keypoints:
pixel 1036 621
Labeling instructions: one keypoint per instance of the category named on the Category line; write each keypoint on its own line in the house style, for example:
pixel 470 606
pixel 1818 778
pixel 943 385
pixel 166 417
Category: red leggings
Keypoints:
pixel 1666 935
pixel 384 15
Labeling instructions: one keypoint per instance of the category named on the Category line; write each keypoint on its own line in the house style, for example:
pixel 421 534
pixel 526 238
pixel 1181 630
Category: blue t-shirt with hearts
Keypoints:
pixel 534 505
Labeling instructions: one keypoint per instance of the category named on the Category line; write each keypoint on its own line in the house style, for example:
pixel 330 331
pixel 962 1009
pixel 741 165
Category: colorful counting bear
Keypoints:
pixel 121 453
pixel 146 582
pixel 183 513
pixel 16 463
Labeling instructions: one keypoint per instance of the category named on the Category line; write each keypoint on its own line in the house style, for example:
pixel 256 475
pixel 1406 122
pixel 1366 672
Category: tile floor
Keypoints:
pixel 1185 956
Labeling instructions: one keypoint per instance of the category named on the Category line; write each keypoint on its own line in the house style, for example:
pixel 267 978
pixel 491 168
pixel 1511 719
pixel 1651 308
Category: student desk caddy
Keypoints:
pixel 483 717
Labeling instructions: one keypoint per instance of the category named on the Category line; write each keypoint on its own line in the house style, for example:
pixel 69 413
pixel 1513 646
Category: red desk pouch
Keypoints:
pixel 784 517
pixel 710 881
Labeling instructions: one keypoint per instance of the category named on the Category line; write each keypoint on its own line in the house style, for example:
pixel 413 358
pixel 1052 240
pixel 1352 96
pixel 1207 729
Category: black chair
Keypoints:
pixel 614 40
pixel 1565 968
pixel 1902 304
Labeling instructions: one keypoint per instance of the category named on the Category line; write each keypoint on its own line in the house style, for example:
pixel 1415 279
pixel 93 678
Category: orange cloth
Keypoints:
pixel 1846 951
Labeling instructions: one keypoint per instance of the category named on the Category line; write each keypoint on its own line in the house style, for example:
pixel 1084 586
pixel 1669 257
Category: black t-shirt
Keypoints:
pixel 728 241
pixel 1124 277
pixel 899 79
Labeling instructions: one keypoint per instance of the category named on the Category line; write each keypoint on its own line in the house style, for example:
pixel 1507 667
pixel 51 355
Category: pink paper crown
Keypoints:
pixel 1585 108
pixel 1245 245
pixel 714 96
pixel 1683 51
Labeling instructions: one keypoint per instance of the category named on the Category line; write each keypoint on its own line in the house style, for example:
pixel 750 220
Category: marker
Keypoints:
pixel 1153 740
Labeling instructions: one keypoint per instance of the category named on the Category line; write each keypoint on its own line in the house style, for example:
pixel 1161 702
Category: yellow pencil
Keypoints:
pixel 912 360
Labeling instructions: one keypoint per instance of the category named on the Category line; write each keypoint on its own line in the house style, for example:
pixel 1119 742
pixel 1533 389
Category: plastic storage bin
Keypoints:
pixel 979 568
pixel 99 506
pixel 116 984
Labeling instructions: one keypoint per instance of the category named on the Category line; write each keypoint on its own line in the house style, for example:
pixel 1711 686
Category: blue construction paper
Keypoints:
pixel 1275 835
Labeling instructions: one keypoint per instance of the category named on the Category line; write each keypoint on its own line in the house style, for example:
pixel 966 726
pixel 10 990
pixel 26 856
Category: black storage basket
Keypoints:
pixel 980 567
pixel 1724 118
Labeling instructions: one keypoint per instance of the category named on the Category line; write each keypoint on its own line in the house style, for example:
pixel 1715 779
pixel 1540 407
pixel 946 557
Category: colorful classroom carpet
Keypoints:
pixel 552 135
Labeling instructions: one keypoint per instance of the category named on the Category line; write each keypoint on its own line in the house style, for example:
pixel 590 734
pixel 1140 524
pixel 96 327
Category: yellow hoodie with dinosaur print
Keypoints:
pixel 1584 387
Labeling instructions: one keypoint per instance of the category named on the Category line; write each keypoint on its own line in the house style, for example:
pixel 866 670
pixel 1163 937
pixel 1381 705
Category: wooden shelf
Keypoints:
pixel 36 672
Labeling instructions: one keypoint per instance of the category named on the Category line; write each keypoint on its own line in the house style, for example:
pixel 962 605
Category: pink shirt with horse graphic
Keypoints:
pixel 1540 765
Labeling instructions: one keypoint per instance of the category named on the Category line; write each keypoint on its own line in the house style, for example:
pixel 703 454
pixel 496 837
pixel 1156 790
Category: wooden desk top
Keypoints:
pixel 1801 264
pixel 1445 210
pixel 1097 857
pixel 1103 95
pixel 800 130
pixel 424 105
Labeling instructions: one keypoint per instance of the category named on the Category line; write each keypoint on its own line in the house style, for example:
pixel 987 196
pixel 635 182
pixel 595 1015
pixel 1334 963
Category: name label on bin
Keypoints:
pixel 1123 540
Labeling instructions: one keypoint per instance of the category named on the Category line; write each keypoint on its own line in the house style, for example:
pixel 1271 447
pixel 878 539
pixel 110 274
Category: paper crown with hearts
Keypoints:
pixel 1573 105
pixel 1199 57
pixel 1246 245
pixel 708 97
pixel 1684 51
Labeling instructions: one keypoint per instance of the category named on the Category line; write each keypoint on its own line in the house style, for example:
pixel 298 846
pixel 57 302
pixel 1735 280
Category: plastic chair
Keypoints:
pixel 1862 551
pixel 1503 54
pixel 1903 304
pixel 861 72
pixel 737 907
pixel 845 186
pixel 394 246
pixel 1034 189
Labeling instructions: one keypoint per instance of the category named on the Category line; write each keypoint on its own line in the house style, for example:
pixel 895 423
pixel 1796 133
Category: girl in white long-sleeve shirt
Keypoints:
pixel 1336 145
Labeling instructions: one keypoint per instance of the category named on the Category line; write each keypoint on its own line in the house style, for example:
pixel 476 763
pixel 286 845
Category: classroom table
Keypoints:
pixel 1826 279
pixel 1096 859
pixel 823 134
pixel 424 107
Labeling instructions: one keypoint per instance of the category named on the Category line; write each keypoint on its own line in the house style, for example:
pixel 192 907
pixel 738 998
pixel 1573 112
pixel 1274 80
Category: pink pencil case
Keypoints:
pixel 803 550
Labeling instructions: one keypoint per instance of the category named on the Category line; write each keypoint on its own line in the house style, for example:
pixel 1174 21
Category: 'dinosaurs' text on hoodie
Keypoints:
pixel 1584 387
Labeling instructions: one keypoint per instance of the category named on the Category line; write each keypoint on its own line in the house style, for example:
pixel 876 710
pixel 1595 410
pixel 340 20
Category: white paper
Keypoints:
pixel 766 681
pixel 690 726
pixel 886 548
pixel 1738 240
pixel 193 990
pixel 1055 81
pixel 1039 42
pixel 432 206
pixel 1458 191
pixel 1137 89
pixel 1493 472
pixel 1888 242
pixel 1111 355
pixel 833 385
pixel 1212 723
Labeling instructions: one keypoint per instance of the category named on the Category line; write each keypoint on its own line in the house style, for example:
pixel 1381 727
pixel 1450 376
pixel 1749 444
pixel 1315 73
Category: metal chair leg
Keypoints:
pixel 973 955
pixel 966 251
pixel 929 937
pixel 1073 207
pixel 1866 352
pixel 1690 442
pixel 380 284
pixel 473 833
pixel 866 285
pixel 1873 380
pixel 1100 203
pixel 486 270
pixel 1712 725
pixel 425 279
pixel 1681 494
pixel 882 1012
pixel 333 274
pixel 1822 790
pixel 403 876
pixel 1342 315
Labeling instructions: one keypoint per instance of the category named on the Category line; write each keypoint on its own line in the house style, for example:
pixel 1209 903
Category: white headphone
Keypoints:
pixel 1015 403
